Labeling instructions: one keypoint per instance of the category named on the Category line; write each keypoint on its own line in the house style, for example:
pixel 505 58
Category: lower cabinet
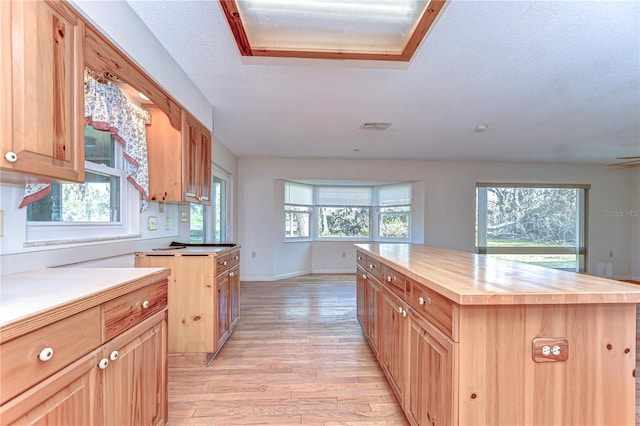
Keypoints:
pixel 394 323
pixel 431 379
pixel 137 372
pixel 234 296
pixel 70 397
pixel 361 282
pixel 372 313
pixel 121 381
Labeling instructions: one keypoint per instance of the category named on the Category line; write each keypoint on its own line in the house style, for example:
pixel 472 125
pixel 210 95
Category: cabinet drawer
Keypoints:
pixel 130 309
pixel 374 267
pixel 57 344
pixel 234 259
pixel 436 308
pixel 394 280
pixel 361 258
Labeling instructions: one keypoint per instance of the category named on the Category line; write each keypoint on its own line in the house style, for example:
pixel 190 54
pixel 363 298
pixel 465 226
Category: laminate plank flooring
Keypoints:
pixel 297 356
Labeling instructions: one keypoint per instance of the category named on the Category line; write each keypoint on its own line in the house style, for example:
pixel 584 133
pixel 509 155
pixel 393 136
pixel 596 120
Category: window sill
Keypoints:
pixel 44 243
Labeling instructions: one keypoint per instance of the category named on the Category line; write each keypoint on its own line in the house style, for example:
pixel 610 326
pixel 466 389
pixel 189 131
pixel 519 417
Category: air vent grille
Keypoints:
pixel 375 126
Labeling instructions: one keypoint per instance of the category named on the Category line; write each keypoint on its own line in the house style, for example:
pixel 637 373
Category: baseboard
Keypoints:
pixel 290 275
pixel 256 278
pixel 335 271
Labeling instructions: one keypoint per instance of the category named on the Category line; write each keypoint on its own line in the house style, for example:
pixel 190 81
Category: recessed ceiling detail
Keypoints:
pixel 387 30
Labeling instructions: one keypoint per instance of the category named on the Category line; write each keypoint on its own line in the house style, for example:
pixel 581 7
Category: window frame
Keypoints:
pixel 373 210
pixel 580 249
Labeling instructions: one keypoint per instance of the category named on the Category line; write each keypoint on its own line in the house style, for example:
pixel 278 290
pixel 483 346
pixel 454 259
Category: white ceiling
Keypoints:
pixel 555 81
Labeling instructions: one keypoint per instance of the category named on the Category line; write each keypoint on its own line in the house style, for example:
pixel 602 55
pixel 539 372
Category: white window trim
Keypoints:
pixel 57 233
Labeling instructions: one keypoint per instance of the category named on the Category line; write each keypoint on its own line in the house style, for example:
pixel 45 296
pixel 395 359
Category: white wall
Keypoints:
pixel 447 204
pixel 635 231
pixel 118 21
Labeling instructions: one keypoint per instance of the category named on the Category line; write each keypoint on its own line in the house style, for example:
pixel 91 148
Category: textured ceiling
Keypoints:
pixel 555 81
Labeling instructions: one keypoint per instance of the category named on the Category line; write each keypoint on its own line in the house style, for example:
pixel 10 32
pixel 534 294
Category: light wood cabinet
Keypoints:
pixel 372 313
pixel 41 98
pixel 179 161
pixel 70 373
pixel 472 352
pixel 432 357
pixel 204 298
pixel 394 323
pixel 361 282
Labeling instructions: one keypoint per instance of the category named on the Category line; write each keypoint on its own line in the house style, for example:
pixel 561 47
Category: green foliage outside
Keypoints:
pixel 343 222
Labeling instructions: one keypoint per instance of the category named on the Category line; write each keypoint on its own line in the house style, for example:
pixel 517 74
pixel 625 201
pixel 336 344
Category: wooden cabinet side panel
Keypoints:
pixel 164 150
pixel 594 386
pixel 47 79
pixel 234 289
pixel 360 297
pixel 69 397
pixel 6 90
pixel 204 167
pixel 190 141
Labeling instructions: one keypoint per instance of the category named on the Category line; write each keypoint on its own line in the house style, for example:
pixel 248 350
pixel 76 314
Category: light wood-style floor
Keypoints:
pixel 297 356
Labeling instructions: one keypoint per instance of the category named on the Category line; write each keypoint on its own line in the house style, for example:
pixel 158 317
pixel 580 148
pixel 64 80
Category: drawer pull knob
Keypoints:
pixel 372 266
pixel 389 278
pixel 364 276
pixel 145 304
pixel 224 263
pixel 400 309
pixel 423 301
pixel 404 313
pixel 114 355
pixel 236 257
pixel 103 363
pixel 46 354
pixel 11 157
pixel 232 274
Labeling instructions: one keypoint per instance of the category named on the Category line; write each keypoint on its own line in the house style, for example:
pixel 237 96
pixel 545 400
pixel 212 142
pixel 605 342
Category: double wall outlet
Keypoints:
pixel 550 349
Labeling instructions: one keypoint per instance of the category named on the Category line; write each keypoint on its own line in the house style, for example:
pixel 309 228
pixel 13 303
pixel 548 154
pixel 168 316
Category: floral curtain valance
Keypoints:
pixel 106 108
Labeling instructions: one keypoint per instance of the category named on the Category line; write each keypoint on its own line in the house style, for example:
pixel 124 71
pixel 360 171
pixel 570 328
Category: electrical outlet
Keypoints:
pixel 167 223
pixel 152 223
pixel 550 349
pixel 610 253
pixel 184 216
pixel 160 207
pixel 344 254
pixel 253 254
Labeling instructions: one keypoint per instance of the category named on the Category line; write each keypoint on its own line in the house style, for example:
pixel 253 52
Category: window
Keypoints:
pixel 196 223
pixel 219 222
pixel 98 199
pixel 347 212
pixel 344 212
pixel 298 200
pixel 393 211
pixel 542 225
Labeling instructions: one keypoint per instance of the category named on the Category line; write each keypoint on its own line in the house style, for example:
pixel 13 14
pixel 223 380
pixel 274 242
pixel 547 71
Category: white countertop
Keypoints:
pixel 29 293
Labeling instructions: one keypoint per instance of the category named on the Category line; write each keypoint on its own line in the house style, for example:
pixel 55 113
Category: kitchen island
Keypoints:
pixel 204 298
pixel 472 340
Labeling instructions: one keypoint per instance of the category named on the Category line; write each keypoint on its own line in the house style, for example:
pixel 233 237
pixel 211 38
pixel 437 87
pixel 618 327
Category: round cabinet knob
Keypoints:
pixel 114 355
pixel 46 354
pixel 224 263
pixel 103 363
pixel 421 300
pixel 11 157
pixel 364 276
pixel 400 309
pixel 145 304
pixel 236 257
pixel 389 279
pixel 232 274
pixel 404 313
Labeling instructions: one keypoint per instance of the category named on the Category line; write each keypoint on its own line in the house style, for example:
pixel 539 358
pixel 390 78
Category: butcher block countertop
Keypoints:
pixel 473 279
pixel 31 299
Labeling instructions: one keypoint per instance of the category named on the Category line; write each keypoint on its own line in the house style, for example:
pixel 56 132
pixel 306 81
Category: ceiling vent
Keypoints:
pixel 375 126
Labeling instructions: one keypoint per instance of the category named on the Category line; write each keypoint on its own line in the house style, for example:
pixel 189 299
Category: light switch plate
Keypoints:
pixel 184 216
pixel 153 223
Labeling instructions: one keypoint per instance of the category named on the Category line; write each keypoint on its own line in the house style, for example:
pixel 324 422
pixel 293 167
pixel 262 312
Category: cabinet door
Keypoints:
pixel 46 81
pixel 222 306
pixel 393 342
pixel 430 399
pixel 361 282
pixel 69 397
pixel 234 296
pixel 136 376
pixel 191 141
pixel 204 168
pixel 372 313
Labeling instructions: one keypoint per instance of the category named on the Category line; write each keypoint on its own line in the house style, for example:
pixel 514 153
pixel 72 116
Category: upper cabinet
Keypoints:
pixel 179 162
pixel 41 92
